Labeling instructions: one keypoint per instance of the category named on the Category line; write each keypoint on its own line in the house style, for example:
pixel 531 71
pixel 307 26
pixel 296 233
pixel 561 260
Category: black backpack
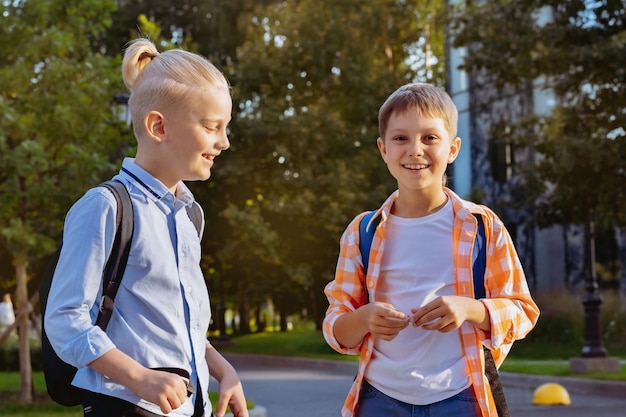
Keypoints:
pixel 57 373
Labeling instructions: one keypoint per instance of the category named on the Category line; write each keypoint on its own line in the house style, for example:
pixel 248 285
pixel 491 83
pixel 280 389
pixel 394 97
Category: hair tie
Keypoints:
pixel 147 54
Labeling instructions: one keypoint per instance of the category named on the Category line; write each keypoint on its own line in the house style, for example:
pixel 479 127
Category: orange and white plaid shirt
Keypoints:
pixel 512 311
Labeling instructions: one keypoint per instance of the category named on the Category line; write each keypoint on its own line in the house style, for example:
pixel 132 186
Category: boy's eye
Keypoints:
pixel 399 138
pixel 430 138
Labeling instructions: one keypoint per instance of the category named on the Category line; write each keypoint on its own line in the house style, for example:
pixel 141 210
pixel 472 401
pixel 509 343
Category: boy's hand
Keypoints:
pixel 231 396
pixel 165 389
pixel 382 320
pixel 448 313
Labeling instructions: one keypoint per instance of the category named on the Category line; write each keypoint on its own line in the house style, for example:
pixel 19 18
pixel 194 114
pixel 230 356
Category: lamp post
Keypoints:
pixel 119 104
pixel 593 357
pixel 591 300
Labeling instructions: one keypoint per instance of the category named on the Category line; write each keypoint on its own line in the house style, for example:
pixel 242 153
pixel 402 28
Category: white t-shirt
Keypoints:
pixel 418 366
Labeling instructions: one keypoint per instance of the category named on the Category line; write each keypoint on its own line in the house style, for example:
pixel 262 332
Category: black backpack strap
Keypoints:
pixel 479 265
pixel 479 259
pixel 116 264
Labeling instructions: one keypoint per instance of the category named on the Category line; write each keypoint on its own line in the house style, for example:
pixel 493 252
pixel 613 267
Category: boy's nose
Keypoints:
pixel 417 149
pixel 224 142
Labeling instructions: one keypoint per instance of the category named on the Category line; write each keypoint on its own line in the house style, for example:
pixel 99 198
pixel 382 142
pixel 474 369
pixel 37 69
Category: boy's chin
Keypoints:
pixel 198 177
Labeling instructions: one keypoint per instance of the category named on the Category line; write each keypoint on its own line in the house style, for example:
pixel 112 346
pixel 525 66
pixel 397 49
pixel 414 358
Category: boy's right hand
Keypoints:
pixel 383 320
pixel 165 389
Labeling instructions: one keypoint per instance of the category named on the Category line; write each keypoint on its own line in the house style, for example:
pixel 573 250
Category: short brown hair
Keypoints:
pixel 426 99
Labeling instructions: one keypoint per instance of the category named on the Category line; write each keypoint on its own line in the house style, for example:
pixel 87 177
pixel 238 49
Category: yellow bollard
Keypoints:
pixel 551 394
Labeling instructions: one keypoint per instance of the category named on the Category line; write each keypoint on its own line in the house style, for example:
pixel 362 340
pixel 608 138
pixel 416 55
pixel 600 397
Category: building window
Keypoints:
pixel 501 158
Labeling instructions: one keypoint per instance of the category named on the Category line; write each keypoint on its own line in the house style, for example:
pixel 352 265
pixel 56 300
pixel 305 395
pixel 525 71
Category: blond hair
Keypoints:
pixel 426 99
pixel 159 80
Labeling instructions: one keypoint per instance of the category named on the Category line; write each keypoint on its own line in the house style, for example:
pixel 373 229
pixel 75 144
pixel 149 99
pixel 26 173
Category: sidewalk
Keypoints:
pixel 317 388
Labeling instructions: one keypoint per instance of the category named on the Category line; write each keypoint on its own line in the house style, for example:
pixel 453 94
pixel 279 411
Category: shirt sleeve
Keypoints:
pixel 347 291
pixel 77 284
pixel 512 311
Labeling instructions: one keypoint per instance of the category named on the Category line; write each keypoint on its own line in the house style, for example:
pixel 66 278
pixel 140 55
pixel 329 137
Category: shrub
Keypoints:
pixel 559 333
pixel 10 359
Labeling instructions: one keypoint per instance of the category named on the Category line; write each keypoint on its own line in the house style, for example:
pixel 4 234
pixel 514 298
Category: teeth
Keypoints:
pixel 416 166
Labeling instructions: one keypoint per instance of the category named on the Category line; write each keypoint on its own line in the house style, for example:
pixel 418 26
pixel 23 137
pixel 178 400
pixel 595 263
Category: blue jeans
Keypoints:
pixel 374 403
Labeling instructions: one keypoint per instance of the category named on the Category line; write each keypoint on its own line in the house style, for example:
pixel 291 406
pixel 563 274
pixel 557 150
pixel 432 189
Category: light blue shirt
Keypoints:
pixel 162 309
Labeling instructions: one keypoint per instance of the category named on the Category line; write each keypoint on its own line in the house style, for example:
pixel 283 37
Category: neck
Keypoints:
pixel 156 168
pixel 409 205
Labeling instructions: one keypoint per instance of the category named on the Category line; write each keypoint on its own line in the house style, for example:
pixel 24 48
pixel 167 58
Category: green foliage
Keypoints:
pixel 308 80
pixel 10 359
pixel 57 136
pixel 307 83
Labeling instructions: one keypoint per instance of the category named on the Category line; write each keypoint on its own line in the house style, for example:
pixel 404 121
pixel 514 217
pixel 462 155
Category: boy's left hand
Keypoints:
pixel 448 313
pixel 231 396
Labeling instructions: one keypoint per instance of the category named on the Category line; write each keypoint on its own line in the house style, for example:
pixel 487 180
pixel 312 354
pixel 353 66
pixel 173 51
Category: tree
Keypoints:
pixel 308 83
pixel 57 136
pixel 208 27
pixel 213 29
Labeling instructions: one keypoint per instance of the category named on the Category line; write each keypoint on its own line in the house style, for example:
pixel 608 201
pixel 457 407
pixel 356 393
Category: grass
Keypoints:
pixel 42 405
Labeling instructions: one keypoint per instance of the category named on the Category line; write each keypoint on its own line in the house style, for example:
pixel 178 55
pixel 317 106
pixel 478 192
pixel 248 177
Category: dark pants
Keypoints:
pixel 99 405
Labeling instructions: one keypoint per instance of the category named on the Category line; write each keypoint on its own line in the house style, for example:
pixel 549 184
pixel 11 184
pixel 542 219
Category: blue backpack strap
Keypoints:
pixel 479 259
pixel 479 253
pixel 366 236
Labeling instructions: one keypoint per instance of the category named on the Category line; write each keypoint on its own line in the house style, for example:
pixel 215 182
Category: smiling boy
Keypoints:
pixel 181 106
pixel 414 320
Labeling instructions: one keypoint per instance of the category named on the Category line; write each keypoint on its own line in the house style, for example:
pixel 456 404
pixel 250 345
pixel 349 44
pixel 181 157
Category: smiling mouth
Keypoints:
pixel 207 157
pixel 415 167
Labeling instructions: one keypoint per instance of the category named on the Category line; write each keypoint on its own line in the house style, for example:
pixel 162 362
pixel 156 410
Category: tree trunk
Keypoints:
pixel 620 237
pixel 23 304
pixel 244 311
pixel 283 320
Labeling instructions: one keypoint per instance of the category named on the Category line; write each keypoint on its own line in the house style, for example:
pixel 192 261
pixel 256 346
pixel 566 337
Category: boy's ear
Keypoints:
pixel 380 142
pixel 155 126
pixel 455 148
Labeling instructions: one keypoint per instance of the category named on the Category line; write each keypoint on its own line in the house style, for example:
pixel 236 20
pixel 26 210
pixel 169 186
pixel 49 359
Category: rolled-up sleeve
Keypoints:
pixel 512 311
pixel 347 291
pixel 73 299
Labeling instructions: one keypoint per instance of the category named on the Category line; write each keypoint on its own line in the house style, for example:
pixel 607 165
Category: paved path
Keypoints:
pixel 289 387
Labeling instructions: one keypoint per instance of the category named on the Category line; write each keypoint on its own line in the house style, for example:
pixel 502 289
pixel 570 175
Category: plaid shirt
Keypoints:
pixel 511 309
